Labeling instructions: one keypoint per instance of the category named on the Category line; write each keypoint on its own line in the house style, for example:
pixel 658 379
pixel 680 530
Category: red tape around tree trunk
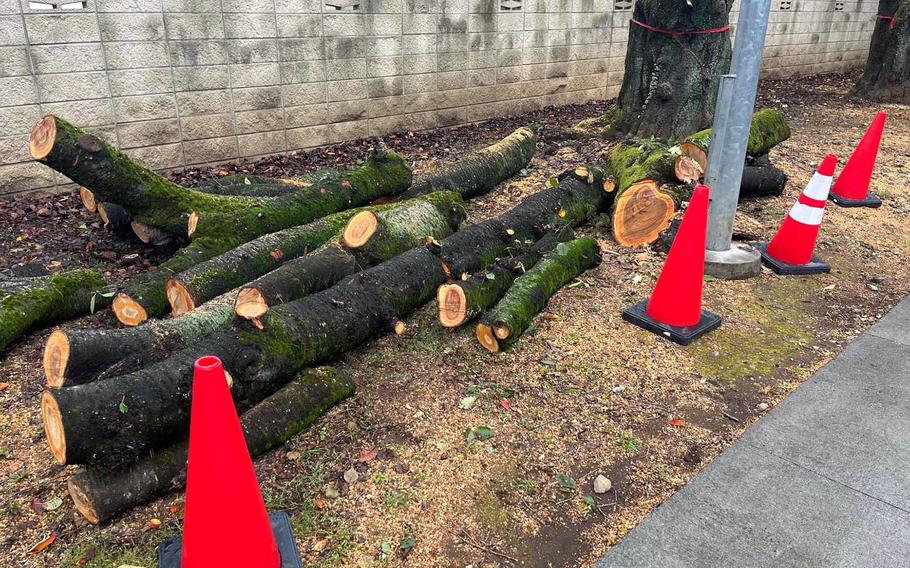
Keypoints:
pixel 674 33
pixel 892 18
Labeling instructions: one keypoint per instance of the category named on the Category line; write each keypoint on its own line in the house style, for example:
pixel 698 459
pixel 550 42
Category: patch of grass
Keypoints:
pixel 628 443
pixel 398 498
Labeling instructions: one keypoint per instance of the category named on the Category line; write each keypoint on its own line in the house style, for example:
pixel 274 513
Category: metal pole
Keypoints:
pixel 746 65
pixel 719 128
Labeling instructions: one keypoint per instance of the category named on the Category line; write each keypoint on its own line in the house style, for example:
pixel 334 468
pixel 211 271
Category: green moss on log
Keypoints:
pixel 530 292
pixel 31 303
pixel 768 129
pixel 632 162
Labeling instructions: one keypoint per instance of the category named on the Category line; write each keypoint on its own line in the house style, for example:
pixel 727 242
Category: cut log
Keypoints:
pixel 403 227
pixel 88 199
pixel 239 266
pixel 460 301
pixel 768 129
pixel 762 181
pixel 378 234
pixel 114 217
pixel 33 302
pixel 101 495
pixel 80 356
pixel 481 171
pixel 226 221
pixel 86 424
pixel 529 294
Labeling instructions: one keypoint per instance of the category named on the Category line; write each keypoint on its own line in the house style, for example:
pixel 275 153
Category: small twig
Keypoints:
pixel 731 417
pixel 466 538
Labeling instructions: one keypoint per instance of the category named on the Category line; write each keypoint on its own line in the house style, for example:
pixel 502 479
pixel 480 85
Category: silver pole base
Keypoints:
pixel 738 262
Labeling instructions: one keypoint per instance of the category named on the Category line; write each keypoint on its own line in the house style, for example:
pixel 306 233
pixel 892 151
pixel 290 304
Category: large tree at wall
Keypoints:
pixel 887 73
pixel 670 82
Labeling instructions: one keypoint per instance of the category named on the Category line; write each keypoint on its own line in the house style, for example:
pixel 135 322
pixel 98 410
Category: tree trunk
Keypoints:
pixel 245 263
pixel 117 420
pixel 114 217
pixel 529 294
pixel 670 82
pixel 886 76
pixel 80 356
pixel 481 171
pixel 226 221
pixel 34 302
pixel 768 129
pixel 100 495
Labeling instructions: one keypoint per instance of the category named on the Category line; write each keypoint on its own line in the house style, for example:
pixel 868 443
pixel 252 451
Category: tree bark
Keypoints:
pixel 762 181
pixel 481 171
pixel 768 129
pixel 34 302
pixel 157 202
pixel 670 82
pixel 100 495
pixel 886 76
pixel 529 294
pixel 114 217
pixel 74 357
pixel 189 289
pixel 88 424
pixel 460 301
pixel 262 186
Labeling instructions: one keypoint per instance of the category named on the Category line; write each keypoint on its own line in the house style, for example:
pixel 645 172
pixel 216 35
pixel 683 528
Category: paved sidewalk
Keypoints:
pixel 822 481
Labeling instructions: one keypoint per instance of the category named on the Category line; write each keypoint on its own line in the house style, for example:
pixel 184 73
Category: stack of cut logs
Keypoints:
pixel 280 276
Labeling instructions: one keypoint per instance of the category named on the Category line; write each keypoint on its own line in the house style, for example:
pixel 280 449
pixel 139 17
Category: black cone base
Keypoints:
pixel 169 550
pixel 814 266
pixel 683 335
pixel 869 201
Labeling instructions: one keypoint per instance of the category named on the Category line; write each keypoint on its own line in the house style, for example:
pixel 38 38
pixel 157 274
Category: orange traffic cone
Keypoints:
pixel 674 309
pixel 852 186
pixel 225 523
pixel 791 249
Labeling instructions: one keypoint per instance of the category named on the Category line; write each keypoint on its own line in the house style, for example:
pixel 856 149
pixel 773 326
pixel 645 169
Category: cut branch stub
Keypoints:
pixel 41 142
pixel 640 213
pixel 88 198
pixel 688 169
pixel 128 311
pixel 250 304
pixel 180 299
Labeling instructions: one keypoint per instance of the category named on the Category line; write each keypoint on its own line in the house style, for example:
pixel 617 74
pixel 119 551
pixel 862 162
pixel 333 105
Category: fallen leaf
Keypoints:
pixel 154 523
pixel 367 455
pixel 320 544
pixel 320 504
pixel 677 422
pixel 467 402
pixel 53 503
pixel 37 506
pixel 293 455
pixel 4 386
pixel 49 540
pixel 505 404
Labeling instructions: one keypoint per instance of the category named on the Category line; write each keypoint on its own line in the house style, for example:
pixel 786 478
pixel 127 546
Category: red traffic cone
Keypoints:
pixel 674 309
pixel 852 186
pixel 790 251
pixel 225 523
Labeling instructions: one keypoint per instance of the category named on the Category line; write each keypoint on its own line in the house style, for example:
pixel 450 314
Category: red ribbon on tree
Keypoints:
pixel 675 34
pixel 892 18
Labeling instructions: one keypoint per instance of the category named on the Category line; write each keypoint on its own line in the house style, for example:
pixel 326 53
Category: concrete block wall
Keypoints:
pixel 187 82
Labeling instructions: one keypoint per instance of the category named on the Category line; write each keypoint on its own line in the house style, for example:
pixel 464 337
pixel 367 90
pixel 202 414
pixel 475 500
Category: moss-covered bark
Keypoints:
pixel 632 162
pixel 224 220
pixel 670 82
pixel 100 495
pixel 31 303
pixel 762 181
pixel 309 331
pixel 260 256
pixel 261 186
pixel 481 171
pixel 244 257
pixel 529 294
pixel 462 300
pixel 886 76
pixel 768 129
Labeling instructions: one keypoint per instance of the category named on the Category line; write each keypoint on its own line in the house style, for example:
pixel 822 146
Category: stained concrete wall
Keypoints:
pixel 184 82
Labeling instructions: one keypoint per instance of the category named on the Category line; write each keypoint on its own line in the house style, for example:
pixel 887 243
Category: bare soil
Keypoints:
pixel 581 394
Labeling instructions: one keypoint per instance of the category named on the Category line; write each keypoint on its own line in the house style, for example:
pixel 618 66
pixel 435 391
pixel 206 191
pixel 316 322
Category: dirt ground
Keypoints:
pixel 581 394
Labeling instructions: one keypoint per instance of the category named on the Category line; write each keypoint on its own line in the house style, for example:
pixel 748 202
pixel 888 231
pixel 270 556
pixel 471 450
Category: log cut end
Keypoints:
pixel 453 305
pixel 128 311
pixel 687 169
pixel 487 338
pixel 692 150
pixel 88 199
pixel 102 212
pixel 501 330
pixel 56 356
pixel 250 304
pixel 41 142
pixel 150 235
pixel 192 223
pixel 360 228
pixel 641 212
pixel 609 184
pixel 53 426
pixel 179 297
pixel 399 327
pixel 83 502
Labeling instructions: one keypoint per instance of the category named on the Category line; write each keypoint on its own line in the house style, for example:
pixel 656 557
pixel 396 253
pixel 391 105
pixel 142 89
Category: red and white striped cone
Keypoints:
pixel 791 249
